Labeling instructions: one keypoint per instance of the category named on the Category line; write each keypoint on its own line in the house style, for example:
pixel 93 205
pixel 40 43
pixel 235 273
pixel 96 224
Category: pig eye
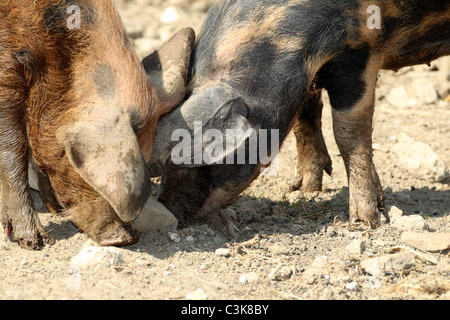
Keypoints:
pixel 76 157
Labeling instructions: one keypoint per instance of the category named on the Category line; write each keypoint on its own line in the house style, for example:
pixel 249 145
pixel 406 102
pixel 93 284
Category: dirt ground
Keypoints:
pixel 283 245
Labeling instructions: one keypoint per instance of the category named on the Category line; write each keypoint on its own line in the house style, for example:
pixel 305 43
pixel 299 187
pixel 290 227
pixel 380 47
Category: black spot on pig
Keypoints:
pixel 105 78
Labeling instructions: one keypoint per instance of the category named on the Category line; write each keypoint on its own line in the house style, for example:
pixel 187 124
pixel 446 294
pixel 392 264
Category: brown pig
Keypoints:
pixel 76 102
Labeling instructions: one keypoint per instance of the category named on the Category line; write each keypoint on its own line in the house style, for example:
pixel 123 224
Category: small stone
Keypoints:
pixel 395 213
pixel 357 246
pixel 174 236
pixel 418 159
pixel 429 241
pixel 311 275
pixel 352 286
pixel 190 239
pixel 250 277
pixel 223 252
pixel 400 98
pixel 424 90
pixel 155 216
pixel 280 273
pixel 198 294
pixel 97 258
pixel 410 223
pixel 320 261
pixel 331 231
pixel 170 15
pixel 389 264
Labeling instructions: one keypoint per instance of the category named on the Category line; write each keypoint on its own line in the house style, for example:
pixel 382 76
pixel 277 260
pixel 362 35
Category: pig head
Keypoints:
pixel 192 152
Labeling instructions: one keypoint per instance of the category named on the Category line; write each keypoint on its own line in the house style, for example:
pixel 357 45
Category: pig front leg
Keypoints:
pixel 17 213
pixel 352 96
pixel 312 155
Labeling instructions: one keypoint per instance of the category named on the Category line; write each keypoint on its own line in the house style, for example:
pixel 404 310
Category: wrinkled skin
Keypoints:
pixel 274 57
pixel 78 104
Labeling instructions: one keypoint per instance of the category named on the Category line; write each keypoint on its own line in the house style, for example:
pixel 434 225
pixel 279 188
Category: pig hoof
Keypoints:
pixel 310 186
pixel 33 240
pixel 30 237
pixel 310 180
pixel 368 208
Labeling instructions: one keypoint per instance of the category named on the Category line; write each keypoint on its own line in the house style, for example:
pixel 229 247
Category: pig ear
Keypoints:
pixel 168 67
pixel 218 107
pixel 103 150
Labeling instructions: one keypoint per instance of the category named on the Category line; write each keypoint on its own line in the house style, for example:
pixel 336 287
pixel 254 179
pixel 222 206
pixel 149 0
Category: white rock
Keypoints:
pixel 424 90
pixel 428 241
pixel 320 261
pixel 170 15
pixel 388 264
pixel 223 252
pixel 352 286
pixel 280 273
pixel 419 160
pixel 395 213
pixel 97 258
pixel 311 274
pixel 410 223
pixel 357 246
pixel 250 277
pixel 155 216
pixel 198 294
pixel 174 236
pixel 400 98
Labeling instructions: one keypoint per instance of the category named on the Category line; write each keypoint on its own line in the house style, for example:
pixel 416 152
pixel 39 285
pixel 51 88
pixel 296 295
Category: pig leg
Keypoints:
pixel 17 214
pixel 352 98
pixel 312 155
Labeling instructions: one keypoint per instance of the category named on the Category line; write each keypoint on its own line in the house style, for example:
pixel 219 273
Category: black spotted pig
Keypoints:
pixel 76 102
pixel 262 64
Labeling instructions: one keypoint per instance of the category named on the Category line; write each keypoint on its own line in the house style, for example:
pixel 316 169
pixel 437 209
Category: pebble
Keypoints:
pixel 388 264
pixel 424 91
pixel 174 236
pixel 413 222
pixel 357 246
pixel 280 273
pixel 311 275
pixel 97 258
pixel 198 294
pixel 428 241
pixel 170 15
pixel 250 277
pixel 352 286
pixel 223 252
pixel 400 98
pixel 395 213
pixel 419 160
pixel 155 216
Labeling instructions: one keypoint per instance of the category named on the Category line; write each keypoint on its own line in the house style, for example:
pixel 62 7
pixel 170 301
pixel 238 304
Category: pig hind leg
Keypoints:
pixel 312 155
